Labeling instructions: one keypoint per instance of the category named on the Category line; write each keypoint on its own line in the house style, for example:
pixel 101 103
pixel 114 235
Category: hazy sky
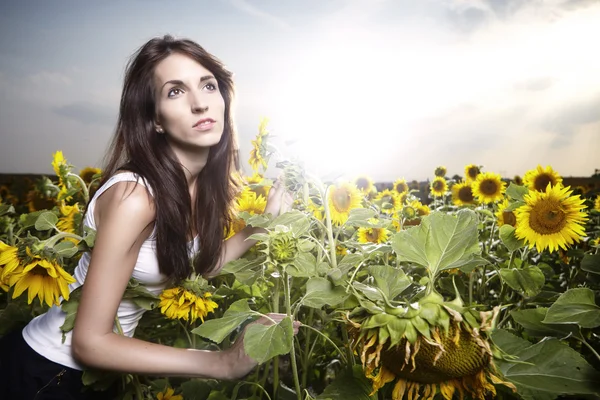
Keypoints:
pixel 387 88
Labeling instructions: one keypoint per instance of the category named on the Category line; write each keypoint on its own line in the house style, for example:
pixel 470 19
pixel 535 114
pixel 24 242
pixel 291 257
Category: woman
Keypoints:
pixel 167 191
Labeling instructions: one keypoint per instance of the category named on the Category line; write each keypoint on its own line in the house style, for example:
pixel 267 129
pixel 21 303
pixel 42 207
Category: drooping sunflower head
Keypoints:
pixel 364 184
pixel 390 201
pixel 88 173
pixel 539 178
pixel 462 194
pixel 439 186
pixel 488 187
pixel 471 172
pixel 168 394
pixel 36 201
pixel 42 278
pixel 342 198
pixel 551 219
pixel 504 216
pixel 401 186
pixel 183 302
pixel 440 171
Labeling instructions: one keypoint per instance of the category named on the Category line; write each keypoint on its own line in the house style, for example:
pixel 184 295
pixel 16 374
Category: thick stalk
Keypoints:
pixel 329 229
pixel 288 309
pixel 86 193
pixel 311 313
pixel 276 359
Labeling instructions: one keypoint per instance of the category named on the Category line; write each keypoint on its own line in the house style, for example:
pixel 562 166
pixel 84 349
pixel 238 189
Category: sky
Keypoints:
pixel 387 88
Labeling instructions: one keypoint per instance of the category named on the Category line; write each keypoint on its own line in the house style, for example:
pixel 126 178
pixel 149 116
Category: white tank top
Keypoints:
pixel 43 333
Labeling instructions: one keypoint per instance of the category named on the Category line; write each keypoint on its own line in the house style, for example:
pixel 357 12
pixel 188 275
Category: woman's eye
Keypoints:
pixel 211 86
pixel 174 92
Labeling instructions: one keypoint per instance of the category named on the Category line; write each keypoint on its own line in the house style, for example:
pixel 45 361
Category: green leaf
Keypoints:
pixel 514 205
pixel 591 263
pixel 13 316
pixel 575 306
pixel 516 192
pixel 320 292
pixel 6 209
pixel 440 242
pixel 66 249
pixel 360 217
pixel 531 320
pixel 28 220
pixel 548 368
pixel 354 386
pixel 47 220
pixel 392 281
pixel 304 266
pixel 507 235
pixel 89 236
pixel 257 220
pixel 527 281
pixel 195 389
pixel 263 342
pixel 218 329
pixel 288 218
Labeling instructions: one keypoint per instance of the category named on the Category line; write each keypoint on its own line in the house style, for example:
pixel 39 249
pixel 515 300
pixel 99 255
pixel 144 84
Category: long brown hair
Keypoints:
pixel 137 147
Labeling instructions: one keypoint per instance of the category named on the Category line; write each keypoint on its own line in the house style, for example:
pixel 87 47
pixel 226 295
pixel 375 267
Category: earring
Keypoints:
pixel 160 130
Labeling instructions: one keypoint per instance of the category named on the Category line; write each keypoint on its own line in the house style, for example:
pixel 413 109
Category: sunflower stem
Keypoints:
pixel 288 309
pixel 86 192
pixel 327 339
pixel 51 241
pixel 329 229
pixel 276 359
pixel 311 313
pixel 186 333
pixel 589 346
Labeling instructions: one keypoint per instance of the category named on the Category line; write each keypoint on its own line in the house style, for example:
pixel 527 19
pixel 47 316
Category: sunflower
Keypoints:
pixel 440 171
pixel 42 278
pixel 462 194
pixel 87 174
pixel 439 186
pixel 250 202
pixel 7 197
pixel 414 185
pixel 180 303
pixel 70 220
pixel 256 185
pixel 60 166
pixel 488 187
pixel 259 147
pixel 539 178
pixel 401 186
pixel 37 201
pixel 390 201
pixel 341 199
pixel 341 250
pixel 412 214
pixel 518 180
pixel 364 184
pixel 9 260
pixel 168 394
pixel 505 217
pixel 471 172
pixel 372 235
pixel 551 219
pixel 316 210
pixel 597 203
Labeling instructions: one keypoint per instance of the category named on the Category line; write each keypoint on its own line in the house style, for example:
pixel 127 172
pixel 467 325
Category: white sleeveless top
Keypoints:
pixel 43 333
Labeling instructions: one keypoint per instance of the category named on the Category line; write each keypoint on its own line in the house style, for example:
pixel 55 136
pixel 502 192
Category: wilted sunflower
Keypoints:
pixel 247 201
pixel 372 235
pixel 471 172
pixel 429 349
pixel 488 187
pixel 505 217
pixel 539 178
pixel 364 184
pixel 551 219
pixel 462 194
pixel 439 186
pixel 180 303
pixel 401 186
pixel 37 201
pixel 42 278
pixel 440 171
pixel 168 394
pixel 87 174
pixel 342 198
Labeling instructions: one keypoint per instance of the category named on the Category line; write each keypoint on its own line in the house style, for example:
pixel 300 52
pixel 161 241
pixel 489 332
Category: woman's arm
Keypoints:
pixel 124 221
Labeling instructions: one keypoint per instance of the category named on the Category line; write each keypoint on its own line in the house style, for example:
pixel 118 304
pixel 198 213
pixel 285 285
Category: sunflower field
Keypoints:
pixel 473 287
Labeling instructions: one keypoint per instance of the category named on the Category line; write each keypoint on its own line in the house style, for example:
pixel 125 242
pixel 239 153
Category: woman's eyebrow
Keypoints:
pixel 180 82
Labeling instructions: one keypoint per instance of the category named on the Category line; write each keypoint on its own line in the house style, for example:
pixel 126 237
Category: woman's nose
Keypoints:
pixel 197 104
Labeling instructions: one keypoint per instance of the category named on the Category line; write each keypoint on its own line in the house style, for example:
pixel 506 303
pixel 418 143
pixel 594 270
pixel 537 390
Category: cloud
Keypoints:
pixel 565 119
pixel 46 77
pixel 87 113
pixel 535 84
pixel 246 7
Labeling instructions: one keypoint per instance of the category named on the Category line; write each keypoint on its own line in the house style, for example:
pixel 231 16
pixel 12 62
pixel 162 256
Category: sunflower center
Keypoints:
pixel 541 182
pixel 362 183
pixel 372 235
pixel 401 188
pixel 488 187
pixel 438 185
pixel 473 172
pixel 342 200
pixel 37 270
pixel 547 217
pixel 465 194
pixel 509 218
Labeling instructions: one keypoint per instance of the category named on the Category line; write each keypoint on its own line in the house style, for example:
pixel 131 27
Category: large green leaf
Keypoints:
pixel 591 263
pixel 288 218
pixel 195 389
pixel 262 342
pixel 320 292
pixel 66 249
pixel 360 217
pixel 575 306
pixel 218 329
pixel 527 281
pixel 440 242
pixel 304 266
pixel 507 235
pixel 47 220
pixel 546 369
pixel 516 192
pixel 349 386
pixel 532 318
pixel 392 281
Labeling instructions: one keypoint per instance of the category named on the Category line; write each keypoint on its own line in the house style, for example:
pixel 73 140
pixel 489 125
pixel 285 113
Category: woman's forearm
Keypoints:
pixel 236 246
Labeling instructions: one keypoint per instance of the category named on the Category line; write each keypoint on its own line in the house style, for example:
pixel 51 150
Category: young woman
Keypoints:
pixel 165 197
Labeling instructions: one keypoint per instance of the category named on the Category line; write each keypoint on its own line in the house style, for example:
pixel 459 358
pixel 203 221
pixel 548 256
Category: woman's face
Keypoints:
pixel 190 108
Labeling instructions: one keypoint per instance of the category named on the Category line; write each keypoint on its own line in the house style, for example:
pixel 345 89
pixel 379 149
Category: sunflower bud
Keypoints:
pixel 283 247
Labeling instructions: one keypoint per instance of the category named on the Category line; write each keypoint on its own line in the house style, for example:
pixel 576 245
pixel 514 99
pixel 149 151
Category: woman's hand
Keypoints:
pixel 279 200
pixel 239 363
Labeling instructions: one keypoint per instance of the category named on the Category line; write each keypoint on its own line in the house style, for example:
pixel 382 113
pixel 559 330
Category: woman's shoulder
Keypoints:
pixel 126 193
